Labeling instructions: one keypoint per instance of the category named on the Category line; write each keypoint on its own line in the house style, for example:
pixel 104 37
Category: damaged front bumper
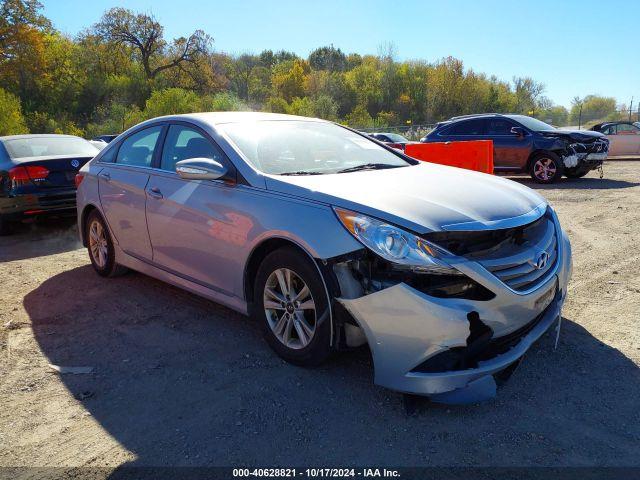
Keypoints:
pixel 586 155
pixel 405 328
pixel 447 348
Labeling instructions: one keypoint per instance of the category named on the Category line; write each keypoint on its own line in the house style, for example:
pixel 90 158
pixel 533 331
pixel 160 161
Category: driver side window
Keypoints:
pixel 184 142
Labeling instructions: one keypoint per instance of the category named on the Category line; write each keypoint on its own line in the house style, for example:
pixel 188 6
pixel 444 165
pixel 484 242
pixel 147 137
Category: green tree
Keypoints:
pixel 276 105
pixel 365 82
pixel 555 115
pixel 241 72
pixel 334 86
pixel 527 92
pixel 11 120
pixel 594 108
pixel 359 118
pixel 325 107
pixel 171 101
pixel 301 106
pixel 222 102
pixel 328 58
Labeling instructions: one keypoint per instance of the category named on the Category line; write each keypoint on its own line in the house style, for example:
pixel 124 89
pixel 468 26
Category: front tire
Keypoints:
pixel 546 168
pixel 100 247
pixel 292 306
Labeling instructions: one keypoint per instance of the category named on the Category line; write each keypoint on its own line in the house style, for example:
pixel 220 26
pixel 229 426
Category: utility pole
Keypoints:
pixel 630 108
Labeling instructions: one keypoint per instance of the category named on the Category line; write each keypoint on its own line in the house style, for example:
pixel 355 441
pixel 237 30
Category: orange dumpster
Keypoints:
pixel 473 155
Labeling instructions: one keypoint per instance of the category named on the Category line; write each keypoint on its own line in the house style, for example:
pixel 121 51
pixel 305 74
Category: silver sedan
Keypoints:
pixel 332 240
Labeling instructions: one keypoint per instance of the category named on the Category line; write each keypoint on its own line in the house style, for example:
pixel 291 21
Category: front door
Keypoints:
pixel 510 151
pixel 195 229
pixel 122 187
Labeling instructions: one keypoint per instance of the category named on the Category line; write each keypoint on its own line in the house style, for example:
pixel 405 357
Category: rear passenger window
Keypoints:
pixel 184 142
pixel 137 149
pixel 470 127
pixel 499 127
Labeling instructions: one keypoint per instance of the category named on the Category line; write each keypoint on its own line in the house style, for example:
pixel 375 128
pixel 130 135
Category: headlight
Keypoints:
pixel 394 244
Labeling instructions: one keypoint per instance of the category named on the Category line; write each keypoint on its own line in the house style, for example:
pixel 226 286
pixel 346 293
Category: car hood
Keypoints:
pixel 423 198
pixel 577 135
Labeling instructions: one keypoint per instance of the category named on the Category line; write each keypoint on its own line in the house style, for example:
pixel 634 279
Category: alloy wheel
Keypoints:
pixel 98 243
pixel 544 169
pixel 290 309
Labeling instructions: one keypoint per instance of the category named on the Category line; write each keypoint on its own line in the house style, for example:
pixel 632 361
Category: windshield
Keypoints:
pixel 394 137
pixel 49 146
pixel 532 123
pixel 306 148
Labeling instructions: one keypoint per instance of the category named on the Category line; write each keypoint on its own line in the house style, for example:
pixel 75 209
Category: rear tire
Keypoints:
pixel 546 168
pixel 100 247
pixel 292 307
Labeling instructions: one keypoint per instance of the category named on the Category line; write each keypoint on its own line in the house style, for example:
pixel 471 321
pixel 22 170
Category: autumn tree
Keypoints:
pixel 22 33
pixel 289 78
pixel 145 34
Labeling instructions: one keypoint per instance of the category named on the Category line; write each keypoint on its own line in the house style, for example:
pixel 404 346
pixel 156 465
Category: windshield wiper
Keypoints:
pixel 302 172
pixel 368 166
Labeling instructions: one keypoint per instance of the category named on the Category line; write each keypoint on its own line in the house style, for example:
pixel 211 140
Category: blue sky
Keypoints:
pixel 573 47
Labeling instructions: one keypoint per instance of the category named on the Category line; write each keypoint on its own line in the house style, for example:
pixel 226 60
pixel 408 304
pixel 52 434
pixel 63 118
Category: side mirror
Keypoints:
pixel 519 131
pixel 200 169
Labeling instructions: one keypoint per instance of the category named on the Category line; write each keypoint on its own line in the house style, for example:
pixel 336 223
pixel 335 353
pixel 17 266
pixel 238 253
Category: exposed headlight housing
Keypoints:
pixel 394 244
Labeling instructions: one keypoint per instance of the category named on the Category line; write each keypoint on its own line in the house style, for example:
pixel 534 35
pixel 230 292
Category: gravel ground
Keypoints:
pixel 178 380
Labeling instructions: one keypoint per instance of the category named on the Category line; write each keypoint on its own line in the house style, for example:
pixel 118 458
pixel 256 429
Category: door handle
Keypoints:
pixel 105 175
pixel 155 192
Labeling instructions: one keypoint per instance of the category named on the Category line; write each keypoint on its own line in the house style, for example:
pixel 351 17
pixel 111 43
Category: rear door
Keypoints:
pixel 510 151
pixel 122 186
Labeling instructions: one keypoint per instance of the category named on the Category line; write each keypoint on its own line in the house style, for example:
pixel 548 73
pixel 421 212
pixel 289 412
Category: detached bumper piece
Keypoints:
pixel 404 327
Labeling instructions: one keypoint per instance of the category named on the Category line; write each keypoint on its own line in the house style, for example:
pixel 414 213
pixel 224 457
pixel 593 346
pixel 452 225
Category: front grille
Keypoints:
pixel 520 257
pixel 522 266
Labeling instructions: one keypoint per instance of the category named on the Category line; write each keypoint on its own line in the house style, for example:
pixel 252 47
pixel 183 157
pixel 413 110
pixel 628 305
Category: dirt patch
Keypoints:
pixel 178 380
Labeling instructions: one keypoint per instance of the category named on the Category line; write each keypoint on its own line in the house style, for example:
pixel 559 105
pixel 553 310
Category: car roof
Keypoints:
pixel 216 118
pixel 613 123
pixel 513 116
pixel 35 135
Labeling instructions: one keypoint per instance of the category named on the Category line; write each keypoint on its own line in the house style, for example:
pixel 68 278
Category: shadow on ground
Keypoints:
pixel 586 183
pixel 181 381
pixel 40 238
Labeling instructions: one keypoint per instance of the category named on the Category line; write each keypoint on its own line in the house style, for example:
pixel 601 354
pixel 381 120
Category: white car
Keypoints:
pixel 624 137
